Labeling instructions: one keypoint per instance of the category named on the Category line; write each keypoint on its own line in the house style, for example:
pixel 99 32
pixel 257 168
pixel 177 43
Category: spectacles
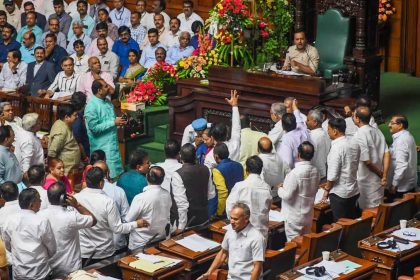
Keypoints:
pixel 409 233
pixel 393 123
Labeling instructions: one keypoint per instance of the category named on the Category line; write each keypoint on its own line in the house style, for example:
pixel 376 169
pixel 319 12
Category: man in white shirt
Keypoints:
pixel 109 60
pixel 28 147
pixel 219 133
pixel 36 180
pixel 9 192
pixel 374 160
pixel 7 114
pixel 158 8
pixel 249 139
pixel 97 242
pixel 277 111
pixel 255 193
pixel 403 170
pixel 171 163
pixel 171 38
pixel 66 222
pixel 146 17
pixel 320 140
pixel 188 17
pixel 118 195
pixel 192 189
pixel 13 73
pixel 153 205
pixel 30 239
pixel 343 161
pixel 243 246
pixel 80 59
pixel 120 15
pixel 274 168
pixel 298 193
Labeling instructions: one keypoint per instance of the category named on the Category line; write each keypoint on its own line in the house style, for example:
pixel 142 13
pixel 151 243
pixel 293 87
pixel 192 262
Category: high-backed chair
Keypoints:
pixel 46 109
pixel 391 213
pixel 16 100
pixel 416 197
pixel 331 41
pixel 315 243
pixel 355 230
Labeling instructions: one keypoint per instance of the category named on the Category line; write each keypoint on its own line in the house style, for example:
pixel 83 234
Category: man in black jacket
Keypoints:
pixel 40 74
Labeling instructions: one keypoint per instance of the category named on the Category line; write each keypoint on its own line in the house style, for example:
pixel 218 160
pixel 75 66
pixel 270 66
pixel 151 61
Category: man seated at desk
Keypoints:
pixel 301 57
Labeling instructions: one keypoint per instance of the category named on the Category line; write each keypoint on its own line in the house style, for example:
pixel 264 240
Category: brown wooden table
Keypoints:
pixel 390 263
pixel 364 272
pixel 129 272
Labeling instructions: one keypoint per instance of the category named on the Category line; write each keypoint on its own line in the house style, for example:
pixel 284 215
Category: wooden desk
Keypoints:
pixel 364 272
pixel 194 258
pixel 322 216
pixel 217 232
pixel 390 263
pixel 129 272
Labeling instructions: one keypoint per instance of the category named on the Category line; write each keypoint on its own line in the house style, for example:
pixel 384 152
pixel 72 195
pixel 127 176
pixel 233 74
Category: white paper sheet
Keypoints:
pixel 400 233
pixel 319 195
pixel 60 94
pixel 150 258
pixel 197 243
pixel 400 246
pixel 275 216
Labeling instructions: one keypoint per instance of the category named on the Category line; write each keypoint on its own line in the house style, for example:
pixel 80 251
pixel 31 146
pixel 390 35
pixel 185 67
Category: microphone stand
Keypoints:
pixel 372 239
pixel 292 274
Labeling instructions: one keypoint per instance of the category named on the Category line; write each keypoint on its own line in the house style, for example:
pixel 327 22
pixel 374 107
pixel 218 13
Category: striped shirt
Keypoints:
pixel 62 83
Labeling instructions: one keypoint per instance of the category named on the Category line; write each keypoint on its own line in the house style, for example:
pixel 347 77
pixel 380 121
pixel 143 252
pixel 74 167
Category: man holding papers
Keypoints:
pixel 243 244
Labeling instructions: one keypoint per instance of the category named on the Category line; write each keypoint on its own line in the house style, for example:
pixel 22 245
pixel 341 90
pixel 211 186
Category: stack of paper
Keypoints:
pixel 275 216
pixel 333 270
pixel 319 195
pixel 197 243
pixel 151 263
pixel 412 234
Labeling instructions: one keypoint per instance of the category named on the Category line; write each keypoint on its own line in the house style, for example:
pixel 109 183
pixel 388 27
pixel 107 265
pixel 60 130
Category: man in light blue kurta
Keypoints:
pixel 101 125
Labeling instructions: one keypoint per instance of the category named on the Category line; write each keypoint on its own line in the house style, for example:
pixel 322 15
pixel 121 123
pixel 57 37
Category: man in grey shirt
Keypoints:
pixel 9 165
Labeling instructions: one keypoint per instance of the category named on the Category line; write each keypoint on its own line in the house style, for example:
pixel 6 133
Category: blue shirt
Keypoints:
pixel 28 54
pixel 56 56
pixel 121 49
pixel 194 41
pixel 36 30
pixel 133 183
pixel 148 58
pixel 88 25
pixel 175 54
pixel 4 49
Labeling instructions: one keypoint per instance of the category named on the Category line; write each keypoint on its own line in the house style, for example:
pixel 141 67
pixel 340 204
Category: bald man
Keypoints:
pixel 374 160
pixel 118 195
pixel 95 74
pixel 274 168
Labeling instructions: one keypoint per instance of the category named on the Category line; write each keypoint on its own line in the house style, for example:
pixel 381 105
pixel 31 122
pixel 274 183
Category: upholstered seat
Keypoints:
pixel 331 42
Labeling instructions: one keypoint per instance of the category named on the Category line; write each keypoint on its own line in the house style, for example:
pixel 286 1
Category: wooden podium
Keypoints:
pixel 257 92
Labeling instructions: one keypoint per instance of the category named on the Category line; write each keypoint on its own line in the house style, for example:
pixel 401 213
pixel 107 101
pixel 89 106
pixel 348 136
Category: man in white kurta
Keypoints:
pixel 255 193
pixel 298 193
pixel 234 142
pixel 66 223
pixel 171 163
pixel 276 112
pixel 36 180
pixel 319 138
pixel 374 160
pixel 153 205
pixel 403 170
pixel 30 239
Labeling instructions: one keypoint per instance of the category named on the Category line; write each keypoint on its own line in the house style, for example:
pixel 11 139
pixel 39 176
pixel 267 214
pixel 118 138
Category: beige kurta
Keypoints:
pixel 63 145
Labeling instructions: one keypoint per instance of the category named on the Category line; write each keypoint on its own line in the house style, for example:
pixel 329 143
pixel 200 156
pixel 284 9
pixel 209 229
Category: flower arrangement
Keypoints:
pixel 386 10
pixel 273 19
pixel 152 89
pixel 197 65
pixel 231 18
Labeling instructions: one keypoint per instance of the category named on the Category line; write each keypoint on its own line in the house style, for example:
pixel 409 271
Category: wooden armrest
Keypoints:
pixel 374 211
pixel 417 270
pixel 405 278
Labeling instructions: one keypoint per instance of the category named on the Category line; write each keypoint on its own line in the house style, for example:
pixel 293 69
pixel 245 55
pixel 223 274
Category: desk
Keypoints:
pixel 390 263
pixel 364 272
pixel 274 233
pixel 129 272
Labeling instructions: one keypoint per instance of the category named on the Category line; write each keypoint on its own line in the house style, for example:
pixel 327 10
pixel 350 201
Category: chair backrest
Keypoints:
pixel 318 242
pixel 392 213
pixel 279 261
pixel 16 100
pixel 46 108
pixel 332 37
pixel 353 231
pixel 416 197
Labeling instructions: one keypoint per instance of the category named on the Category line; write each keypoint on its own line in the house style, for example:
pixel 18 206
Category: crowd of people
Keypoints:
pixel 216 171
pixel 51 49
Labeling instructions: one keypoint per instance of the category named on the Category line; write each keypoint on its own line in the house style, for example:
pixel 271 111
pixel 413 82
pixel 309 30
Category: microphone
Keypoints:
pixel 372 239
pixel 149 242
pixel 337 252
pixel 186 226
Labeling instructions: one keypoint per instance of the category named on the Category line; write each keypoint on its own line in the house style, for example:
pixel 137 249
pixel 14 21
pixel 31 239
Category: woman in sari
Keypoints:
pixel 56 173
pixel 134 72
